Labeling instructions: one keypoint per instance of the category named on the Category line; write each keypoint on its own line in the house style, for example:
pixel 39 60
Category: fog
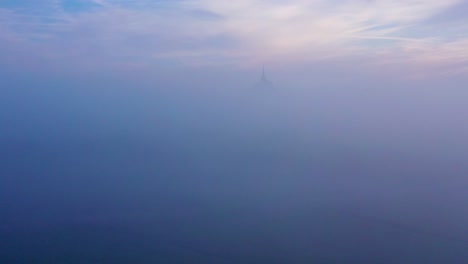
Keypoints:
pixel 204 167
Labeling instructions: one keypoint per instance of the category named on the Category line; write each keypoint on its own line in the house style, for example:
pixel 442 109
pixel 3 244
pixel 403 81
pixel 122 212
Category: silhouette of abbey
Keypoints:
pixel 264 82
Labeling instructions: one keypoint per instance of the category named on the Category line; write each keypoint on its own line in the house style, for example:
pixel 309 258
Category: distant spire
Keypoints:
pixel 264 82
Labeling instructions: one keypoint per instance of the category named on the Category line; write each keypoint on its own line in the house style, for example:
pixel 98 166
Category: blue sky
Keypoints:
pixel 420 38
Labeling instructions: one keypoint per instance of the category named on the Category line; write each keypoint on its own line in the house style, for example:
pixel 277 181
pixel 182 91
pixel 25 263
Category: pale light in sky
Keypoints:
pixel 424 37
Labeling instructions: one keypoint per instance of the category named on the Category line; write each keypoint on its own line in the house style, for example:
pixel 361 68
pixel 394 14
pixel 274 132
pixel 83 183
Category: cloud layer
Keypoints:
pixel 427 36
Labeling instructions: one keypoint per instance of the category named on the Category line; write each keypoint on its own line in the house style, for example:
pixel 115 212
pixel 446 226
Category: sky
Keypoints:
pixel 364 67
pixel 138 130
pixel 415 38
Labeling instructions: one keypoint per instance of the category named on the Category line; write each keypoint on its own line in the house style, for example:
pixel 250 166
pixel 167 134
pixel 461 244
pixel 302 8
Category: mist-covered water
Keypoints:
pixel 223 175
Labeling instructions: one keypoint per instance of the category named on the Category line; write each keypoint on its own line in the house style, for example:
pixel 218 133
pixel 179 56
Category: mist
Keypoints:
pixel 201 166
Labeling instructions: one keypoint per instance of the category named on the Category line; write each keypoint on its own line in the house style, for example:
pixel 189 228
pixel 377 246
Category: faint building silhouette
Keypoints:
pixel 264 82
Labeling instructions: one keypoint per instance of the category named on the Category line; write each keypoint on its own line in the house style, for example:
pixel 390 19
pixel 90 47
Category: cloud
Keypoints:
pixel 242 32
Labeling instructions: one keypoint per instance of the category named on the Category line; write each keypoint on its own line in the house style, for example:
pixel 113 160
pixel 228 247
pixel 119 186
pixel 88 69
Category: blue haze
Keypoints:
pixel 210 169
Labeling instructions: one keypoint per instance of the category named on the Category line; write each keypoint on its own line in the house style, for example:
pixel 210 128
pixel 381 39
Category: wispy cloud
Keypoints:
pixel 240 32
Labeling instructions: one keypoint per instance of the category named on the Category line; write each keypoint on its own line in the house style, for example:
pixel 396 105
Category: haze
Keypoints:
pixel 137 132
